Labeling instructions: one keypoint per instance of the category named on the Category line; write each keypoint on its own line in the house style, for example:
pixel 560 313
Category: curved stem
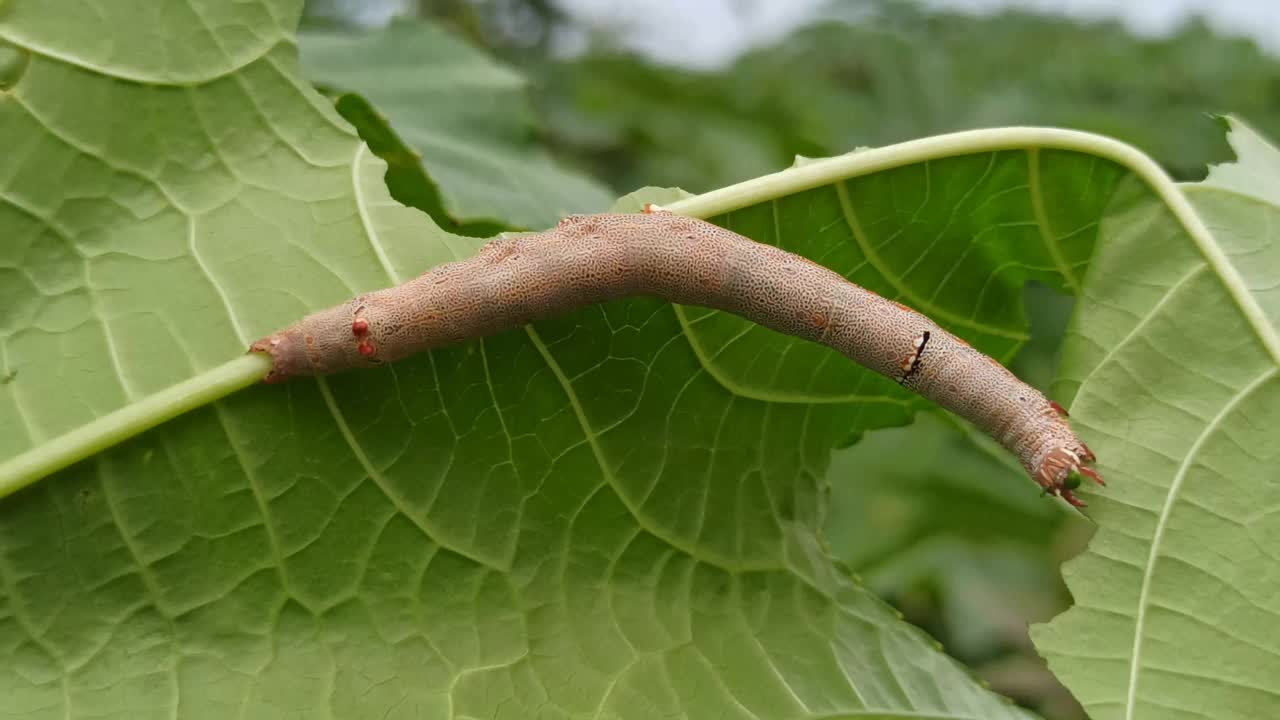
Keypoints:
pixel 816 173
pixel 100 434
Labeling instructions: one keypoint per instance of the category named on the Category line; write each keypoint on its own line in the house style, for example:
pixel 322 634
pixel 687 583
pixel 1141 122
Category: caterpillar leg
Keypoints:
pixel 1071 498
pixel 1066 494
pixel 1091 473
pixel 1060 469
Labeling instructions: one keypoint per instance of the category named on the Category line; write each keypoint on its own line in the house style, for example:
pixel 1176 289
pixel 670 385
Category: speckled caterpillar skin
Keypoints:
pixel 592 258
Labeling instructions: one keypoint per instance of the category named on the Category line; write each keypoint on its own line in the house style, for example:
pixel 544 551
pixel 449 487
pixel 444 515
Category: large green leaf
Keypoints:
pixel 1175 365
pixel 563 522
pixel 465 116
pixel 613 513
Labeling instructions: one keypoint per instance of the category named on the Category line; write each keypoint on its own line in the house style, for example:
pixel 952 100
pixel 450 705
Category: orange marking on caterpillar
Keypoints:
pixel 365 348
pixel 359 327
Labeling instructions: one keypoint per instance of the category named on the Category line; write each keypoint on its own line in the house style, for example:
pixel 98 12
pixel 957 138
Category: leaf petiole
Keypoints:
pixel 132 419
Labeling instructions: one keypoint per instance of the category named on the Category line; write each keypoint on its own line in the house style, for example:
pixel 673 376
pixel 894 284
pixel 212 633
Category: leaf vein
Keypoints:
pixel 1175 487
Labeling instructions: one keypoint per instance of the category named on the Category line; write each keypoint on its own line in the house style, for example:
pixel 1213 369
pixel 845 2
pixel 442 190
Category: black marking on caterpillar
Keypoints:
pixel 915 360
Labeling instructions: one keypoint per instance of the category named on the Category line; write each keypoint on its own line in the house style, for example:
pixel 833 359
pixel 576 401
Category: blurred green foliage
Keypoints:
pixel 937 521
pixel 872 73
pixel 901 74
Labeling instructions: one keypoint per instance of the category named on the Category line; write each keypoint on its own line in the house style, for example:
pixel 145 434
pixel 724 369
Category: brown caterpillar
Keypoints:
pixel 587 259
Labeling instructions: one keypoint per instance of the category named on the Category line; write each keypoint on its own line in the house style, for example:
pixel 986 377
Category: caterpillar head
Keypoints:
pixel 1061 465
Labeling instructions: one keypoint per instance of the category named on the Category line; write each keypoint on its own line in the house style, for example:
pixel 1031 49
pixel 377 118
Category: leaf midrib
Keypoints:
pixel 1219 262
pixel 1175 487
pixel 1224 269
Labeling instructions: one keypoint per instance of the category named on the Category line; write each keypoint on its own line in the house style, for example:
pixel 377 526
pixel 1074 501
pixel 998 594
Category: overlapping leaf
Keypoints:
pixel 1175 364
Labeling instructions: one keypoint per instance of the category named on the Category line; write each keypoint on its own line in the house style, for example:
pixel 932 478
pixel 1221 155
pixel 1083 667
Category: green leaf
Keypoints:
pixel 1174 360
pixel 488 530
pixel 406 178
pixel 612 513
pixel 466 118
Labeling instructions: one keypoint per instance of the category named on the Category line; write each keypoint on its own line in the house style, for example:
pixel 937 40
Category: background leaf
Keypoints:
pixel 1173 359
pixel 466 117
pixel 882 71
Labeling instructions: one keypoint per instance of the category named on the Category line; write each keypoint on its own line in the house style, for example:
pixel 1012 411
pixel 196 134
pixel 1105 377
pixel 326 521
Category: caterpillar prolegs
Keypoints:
pixel 587 259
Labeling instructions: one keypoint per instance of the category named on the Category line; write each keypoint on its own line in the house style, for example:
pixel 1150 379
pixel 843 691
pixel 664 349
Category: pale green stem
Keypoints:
pixel 132 419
